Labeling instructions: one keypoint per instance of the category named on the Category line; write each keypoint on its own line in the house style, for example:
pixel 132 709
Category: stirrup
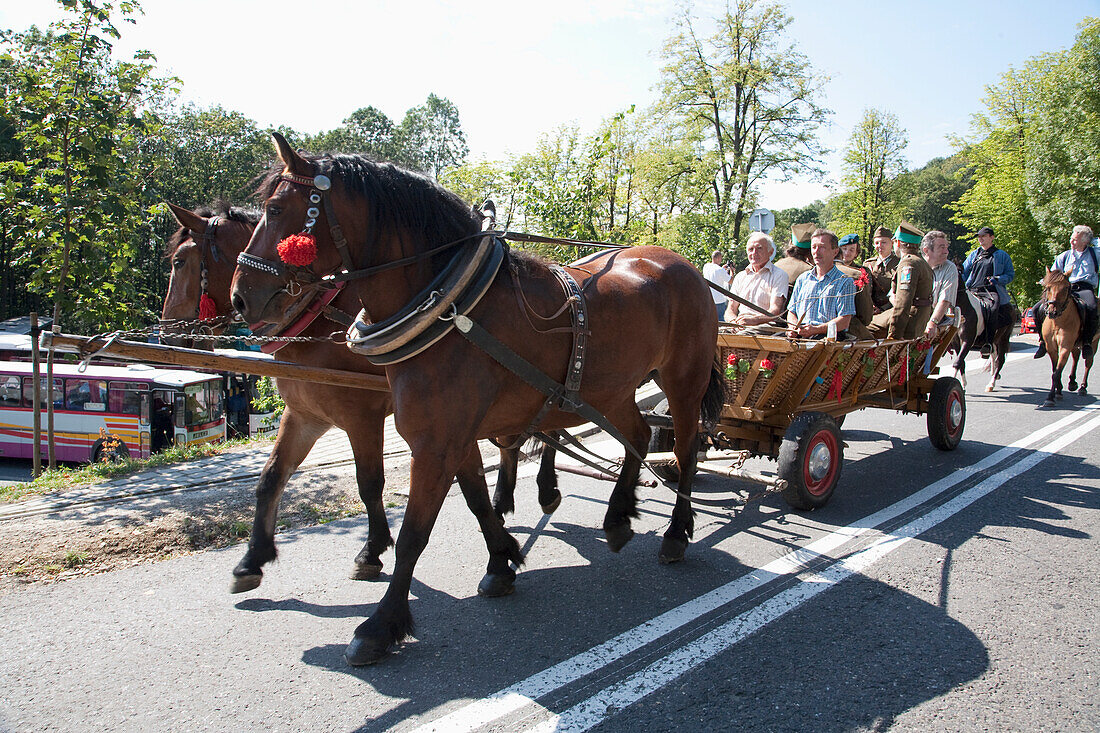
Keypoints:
pixel 1041 351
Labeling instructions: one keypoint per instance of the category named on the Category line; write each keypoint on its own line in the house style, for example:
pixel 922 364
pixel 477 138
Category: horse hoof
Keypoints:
pixel 366 571
pixel 1083 390
pixel 1073 386
pixel 1058 396
pixel 362 651
pixel 242 583
pixel 495 586
pixel 989 388
pixel 672 550
pixel 618 536
pixel 552 506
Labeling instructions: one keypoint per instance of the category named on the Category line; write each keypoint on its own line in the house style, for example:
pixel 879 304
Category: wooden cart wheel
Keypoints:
pixel 660 441
pixel 946 413
pixel 810 459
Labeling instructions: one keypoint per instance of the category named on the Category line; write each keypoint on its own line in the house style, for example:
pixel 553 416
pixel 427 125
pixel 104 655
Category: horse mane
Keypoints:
pixel 219 208
pixel 1054 277
pixel 401 201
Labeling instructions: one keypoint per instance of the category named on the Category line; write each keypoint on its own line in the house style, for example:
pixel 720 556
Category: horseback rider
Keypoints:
pixel 986 272
pixel 1079 265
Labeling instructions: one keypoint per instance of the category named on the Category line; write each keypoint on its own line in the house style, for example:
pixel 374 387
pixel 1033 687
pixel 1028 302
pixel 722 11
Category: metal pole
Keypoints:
pixel 36 402
pixel 49 404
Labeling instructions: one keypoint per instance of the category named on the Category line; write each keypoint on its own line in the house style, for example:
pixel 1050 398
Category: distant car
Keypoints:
pixel 1027 321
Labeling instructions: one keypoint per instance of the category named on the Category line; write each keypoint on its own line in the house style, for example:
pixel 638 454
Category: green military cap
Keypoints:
pixel 908 233
pixel 801 234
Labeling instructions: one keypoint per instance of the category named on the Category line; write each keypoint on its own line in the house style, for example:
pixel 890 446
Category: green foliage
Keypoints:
pixel 873 161
pixel 269 399
pixel 430 137
pixel 928 194
pixel 751 102
pixel 78 125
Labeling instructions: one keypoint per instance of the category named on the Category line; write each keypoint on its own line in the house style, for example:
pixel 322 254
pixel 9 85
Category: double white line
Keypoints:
pixel 596 708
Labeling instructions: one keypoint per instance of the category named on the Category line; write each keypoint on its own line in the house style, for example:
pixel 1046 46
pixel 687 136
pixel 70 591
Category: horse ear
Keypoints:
pixel 188 219
pixel 1068 272
pixel 294 163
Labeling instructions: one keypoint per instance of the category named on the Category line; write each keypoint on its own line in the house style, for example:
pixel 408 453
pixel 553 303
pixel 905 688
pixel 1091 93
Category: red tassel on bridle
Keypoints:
pixel 299 250
pixel 208 309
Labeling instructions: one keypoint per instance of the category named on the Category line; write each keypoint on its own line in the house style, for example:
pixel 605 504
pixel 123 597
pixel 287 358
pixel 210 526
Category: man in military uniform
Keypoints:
pixel 882 268
pixel 849 247
pixel 912 290
pixel 798 259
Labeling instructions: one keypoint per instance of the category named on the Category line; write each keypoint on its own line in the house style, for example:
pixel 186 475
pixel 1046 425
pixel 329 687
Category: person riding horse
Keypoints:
pixel 1079 265
pixel 986 272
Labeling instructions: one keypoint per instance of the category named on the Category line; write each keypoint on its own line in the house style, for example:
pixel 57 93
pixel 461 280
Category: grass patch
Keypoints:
pixel 66 477
pixel 75 559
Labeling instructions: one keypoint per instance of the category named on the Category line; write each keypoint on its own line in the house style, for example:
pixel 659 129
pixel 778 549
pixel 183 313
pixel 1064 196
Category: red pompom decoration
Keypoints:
pixel 299 250
pixel 208 309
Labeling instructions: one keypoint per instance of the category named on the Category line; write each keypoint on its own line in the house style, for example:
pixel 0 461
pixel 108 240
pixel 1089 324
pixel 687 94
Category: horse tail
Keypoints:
pixel 715 397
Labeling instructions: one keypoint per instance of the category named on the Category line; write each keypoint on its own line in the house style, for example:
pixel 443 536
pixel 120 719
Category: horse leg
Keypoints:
pixel 296 437
pixel 1073 372
pixel 623 504
pixel 366 446
pixel 960 362
pixel 504 495
pixel 1057 364
pixel 503 549
pixel 547 481
pixel 430 478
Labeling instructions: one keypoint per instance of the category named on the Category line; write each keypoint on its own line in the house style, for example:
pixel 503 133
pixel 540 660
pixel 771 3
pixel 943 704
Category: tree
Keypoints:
pixel 1063 140
pixel 367 130
pixel 753 102
pixel 430 137
pixel 873 160
pixel 927 195
pixel 79 121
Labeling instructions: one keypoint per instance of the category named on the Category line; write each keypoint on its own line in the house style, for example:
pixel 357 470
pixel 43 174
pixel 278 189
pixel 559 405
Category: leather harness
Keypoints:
pixel 443 305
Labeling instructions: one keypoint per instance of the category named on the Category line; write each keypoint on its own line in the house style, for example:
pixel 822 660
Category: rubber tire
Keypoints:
pixel 117 455
pixel 660 441
pixel 805 434
pixel 946 391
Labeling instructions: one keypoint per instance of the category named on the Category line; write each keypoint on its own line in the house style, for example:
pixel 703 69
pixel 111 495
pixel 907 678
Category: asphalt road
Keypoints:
pixel 936 591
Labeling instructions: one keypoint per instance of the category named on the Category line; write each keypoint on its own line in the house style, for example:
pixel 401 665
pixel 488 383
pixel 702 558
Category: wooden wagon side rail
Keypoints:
pixel 198 359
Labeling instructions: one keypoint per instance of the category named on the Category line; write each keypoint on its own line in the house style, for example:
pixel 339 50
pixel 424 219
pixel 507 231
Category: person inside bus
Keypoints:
pixel 162 425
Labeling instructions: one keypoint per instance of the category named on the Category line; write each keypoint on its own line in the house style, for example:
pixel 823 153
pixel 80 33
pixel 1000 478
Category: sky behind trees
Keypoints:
pixel 518 70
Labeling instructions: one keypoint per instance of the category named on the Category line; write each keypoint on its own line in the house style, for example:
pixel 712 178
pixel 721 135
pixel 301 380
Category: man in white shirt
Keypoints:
pixel 761 283
pixel 945 281
pixel 719 274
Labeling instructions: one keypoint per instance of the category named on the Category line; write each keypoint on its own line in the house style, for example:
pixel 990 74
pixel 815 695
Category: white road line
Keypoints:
pixel 595 709
pixel 506 701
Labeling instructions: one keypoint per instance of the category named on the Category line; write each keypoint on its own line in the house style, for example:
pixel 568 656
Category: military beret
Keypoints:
pixel 849 239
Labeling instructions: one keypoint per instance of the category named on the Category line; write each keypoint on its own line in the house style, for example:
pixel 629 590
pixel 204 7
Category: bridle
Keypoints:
pixel 1056 309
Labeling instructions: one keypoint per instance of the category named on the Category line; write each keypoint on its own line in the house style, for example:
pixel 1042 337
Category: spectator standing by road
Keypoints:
pixel 719 274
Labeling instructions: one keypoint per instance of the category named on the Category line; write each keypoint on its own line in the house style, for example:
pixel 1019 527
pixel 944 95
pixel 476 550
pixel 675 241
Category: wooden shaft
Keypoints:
pixel 198 359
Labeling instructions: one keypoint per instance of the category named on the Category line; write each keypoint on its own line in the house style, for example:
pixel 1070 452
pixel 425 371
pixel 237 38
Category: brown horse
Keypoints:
pixel 203 256
pixel 1062 335
pixel 647 308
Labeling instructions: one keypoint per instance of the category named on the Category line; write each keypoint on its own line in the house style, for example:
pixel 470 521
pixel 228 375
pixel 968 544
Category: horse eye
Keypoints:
pixel 178 264
pixel 273 210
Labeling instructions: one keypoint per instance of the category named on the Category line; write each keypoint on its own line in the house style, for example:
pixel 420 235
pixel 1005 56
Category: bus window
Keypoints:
pixel 28 392
pixel 11 392
pixel 125 397
pixel 86 394
pixel 202 403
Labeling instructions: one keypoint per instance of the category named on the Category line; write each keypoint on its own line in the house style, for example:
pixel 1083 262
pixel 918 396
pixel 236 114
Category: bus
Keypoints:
pixel 106 412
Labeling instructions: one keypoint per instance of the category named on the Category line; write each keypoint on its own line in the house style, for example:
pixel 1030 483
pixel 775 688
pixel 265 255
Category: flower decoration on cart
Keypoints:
pixel 737 367
pixel 767 367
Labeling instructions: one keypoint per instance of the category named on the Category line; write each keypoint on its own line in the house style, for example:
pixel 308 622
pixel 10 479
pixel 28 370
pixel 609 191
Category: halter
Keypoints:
pixel 206 243
pixel 1056 309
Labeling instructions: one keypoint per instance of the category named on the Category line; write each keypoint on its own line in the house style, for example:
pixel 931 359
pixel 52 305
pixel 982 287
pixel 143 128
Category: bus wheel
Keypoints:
pixel 109 450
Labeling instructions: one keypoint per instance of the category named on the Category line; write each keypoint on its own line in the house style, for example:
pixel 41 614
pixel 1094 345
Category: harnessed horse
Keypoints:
pixel 203 256
pixel 449 311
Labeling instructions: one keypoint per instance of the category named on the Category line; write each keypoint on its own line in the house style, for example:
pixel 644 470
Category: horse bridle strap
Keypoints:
pixel 427 317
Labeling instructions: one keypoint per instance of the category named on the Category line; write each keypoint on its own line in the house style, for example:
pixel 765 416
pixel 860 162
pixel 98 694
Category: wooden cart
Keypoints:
pixel 786 400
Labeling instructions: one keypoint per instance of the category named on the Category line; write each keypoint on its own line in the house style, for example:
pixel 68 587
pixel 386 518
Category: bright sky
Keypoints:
pixel 517 69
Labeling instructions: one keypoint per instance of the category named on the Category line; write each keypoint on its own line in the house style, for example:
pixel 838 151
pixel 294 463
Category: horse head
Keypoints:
pixel 1056 292
pixel 343 218
pixel 203 254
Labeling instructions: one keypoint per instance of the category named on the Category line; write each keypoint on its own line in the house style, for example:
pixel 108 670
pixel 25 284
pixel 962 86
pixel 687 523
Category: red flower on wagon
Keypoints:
pixel 731 360
pixel 862 280
pixel 767 364
pixel 299 250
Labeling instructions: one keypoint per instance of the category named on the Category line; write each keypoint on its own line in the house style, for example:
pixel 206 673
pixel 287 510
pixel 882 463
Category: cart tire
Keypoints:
pixel 660 441
pixel 946 413
pixel 810 459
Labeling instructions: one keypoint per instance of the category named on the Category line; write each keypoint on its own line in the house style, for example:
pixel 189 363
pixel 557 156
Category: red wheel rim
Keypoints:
pixel 820 463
